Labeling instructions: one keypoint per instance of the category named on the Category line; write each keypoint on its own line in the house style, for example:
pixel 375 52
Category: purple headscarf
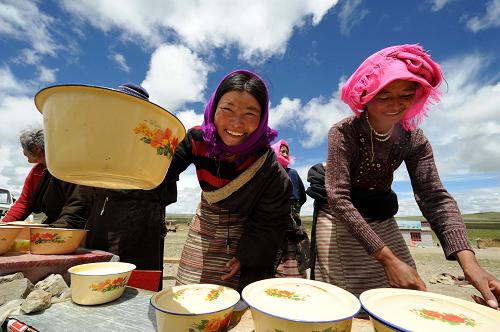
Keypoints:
pixel 260 138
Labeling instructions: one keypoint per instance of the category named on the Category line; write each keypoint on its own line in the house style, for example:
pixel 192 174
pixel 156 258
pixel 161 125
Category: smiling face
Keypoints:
pixel 236 117
pixel 390 105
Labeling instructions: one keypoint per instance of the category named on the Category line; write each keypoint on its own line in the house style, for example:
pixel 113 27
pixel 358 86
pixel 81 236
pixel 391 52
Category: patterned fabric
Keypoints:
pixel 288 267
pixel 211 242
pixel 212 174
pixel 341 261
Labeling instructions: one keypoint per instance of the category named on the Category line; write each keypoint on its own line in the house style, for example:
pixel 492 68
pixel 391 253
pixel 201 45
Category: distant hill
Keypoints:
pixel 472 217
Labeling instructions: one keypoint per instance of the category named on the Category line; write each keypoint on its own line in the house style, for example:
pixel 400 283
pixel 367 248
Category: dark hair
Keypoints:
pixel 243 82
pixel 32 138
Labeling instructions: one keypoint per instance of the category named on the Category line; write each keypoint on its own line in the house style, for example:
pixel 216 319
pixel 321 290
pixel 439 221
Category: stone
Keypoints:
pixel 37 300
pixel 15 289
pixel 10 277
pixel 54 284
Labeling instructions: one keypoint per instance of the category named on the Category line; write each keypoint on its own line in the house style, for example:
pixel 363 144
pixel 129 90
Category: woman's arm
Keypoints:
pixel 20 209
pixel 436 204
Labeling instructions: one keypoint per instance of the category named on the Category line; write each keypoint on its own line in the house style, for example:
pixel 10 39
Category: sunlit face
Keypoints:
pixel 390 105
pixel 284 151
pixel 35 156
pixel 236 117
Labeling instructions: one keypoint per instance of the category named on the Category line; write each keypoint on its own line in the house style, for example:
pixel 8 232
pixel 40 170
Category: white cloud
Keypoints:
pixel 176 76
pixel 490 20
pixel 469 110
pixel 46 75
pixel 312 120
pixel 190 119
pixel 260 30
pixel 21 20
pixel 120 60
pixel 437 5
pixel 350 15
pixel 9 84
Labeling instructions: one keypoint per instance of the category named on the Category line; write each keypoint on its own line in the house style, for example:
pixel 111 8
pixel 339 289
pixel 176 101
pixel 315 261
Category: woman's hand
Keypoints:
pixel 233 266
pixel 399 274
pixel 485 283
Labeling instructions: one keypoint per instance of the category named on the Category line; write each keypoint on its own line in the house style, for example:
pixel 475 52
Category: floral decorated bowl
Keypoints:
pixel 7 236
pixel 393 309
pixel 196 307
pixel 98 283
pixel 293 304
pixel 106 138
pixel 55 241
pixel 22 240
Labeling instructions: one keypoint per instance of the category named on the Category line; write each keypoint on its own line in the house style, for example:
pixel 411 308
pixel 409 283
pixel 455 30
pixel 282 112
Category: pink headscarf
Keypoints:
pixel 282 160
pixel 402 62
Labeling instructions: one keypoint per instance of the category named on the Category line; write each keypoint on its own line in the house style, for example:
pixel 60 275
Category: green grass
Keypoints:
pixel 479 225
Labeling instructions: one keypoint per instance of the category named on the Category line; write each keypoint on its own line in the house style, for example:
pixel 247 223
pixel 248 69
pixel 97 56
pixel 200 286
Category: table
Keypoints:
pixel 131 312
pixel 37 267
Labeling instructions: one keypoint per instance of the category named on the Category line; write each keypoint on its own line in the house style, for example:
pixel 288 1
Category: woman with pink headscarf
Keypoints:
pixel 293 260
pixel 360 247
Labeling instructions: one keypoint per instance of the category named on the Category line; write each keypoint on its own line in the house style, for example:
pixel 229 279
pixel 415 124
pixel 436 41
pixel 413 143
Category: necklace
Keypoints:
pixel 381 137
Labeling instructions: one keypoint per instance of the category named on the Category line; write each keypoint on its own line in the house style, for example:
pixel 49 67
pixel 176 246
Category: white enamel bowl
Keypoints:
pixel 196 307
pixel 97 283
pixel 106 138
pixel 292 304
pixel 393 309
pixel 7 236
pixel 55 241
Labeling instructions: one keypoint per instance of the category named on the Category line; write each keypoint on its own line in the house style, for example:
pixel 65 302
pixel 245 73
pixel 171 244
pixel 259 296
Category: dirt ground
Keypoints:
pixel 429 260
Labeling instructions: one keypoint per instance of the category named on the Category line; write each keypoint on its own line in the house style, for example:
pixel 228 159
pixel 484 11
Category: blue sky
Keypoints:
pixel 180 49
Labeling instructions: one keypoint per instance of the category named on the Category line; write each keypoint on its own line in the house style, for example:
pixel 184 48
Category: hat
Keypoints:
pixel 134 90
pixel 401 62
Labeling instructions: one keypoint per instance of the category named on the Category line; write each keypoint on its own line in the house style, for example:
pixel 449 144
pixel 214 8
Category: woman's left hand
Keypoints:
pixel 485 283
pixel 233 266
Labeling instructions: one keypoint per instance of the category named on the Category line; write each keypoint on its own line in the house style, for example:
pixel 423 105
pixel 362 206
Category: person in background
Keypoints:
pixel 389 94
pixel 65 205
pixel 292 260
pixel 245 201
pixel 321 210
pixel 131 223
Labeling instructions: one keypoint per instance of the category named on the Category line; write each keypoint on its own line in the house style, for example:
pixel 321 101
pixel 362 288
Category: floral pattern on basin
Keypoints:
pixel 280 293
pixel 449 318
pixel 39 238
pixel 329 329
pixel 108 285
pixel 162 140
pixel 213 325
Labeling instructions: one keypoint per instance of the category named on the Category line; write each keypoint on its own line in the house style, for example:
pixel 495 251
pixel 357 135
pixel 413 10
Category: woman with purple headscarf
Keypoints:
pixel 359 245
pixel 241 219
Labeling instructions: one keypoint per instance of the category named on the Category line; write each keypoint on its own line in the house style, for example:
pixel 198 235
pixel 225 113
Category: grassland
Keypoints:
pixel 485 225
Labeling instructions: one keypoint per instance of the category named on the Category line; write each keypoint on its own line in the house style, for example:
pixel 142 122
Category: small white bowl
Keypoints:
pixel 98 283
pixel 294 304
pixel 195 307
pixel 394 309
pixel 55 241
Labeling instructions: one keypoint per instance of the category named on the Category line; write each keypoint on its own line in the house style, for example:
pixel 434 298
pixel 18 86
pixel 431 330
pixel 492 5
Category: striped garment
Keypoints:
pixel 288 267
pixel 206 250
pixel 341 261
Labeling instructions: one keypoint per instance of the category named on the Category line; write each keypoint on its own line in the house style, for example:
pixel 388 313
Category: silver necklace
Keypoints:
pixel 381 137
